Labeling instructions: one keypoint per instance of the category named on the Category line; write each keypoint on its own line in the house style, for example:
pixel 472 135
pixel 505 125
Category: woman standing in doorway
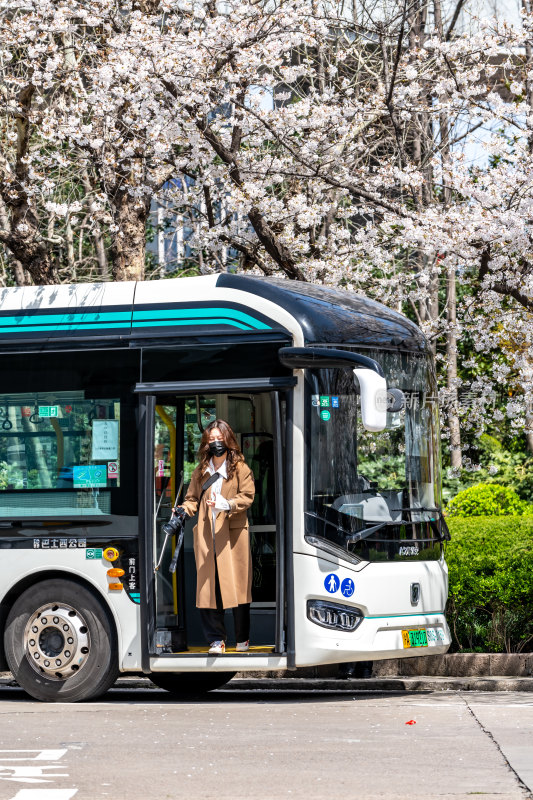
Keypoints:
pixel 221 490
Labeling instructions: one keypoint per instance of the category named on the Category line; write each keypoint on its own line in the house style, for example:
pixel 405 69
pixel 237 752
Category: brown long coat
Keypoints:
pixel 232 539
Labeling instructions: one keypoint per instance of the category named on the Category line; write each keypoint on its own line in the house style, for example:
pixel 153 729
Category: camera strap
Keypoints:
pixel 209 482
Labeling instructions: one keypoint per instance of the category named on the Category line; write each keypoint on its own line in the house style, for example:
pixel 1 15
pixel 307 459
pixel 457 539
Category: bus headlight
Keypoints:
pixel 334 615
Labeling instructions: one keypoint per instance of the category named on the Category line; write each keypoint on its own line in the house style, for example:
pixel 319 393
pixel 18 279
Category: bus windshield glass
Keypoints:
pixel 375 495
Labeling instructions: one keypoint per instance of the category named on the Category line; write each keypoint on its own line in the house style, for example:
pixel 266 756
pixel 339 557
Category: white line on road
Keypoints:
pixel 44 794
pixel 42 755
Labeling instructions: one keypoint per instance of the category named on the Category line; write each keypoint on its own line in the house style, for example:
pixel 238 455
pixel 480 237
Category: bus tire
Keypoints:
pixel 185 684
pixel 60 643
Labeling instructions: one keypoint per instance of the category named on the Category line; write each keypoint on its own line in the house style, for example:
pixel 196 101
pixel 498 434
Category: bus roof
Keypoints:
pixel 222 304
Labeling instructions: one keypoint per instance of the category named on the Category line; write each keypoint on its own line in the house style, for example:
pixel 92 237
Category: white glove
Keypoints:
pixel 221 504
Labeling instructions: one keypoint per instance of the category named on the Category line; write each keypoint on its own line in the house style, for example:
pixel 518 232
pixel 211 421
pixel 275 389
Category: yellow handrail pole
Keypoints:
pixel 172 431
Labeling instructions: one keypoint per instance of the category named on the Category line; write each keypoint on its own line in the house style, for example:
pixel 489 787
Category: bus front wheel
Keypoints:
pixel 185 684
pixel 60 643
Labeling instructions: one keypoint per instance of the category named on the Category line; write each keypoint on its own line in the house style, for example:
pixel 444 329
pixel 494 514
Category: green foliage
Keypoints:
pixel 33 479
pixel 505 465
pixel 490 563
pixel 488 499
pixel 388 471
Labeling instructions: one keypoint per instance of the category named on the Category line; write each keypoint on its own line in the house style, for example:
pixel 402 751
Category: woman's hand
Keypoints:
pixel 179 512
pixel 218 502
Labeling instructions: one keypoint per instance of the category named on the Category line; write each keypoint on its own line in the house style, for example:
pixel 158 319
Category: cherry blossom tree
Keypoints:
pixel 384 147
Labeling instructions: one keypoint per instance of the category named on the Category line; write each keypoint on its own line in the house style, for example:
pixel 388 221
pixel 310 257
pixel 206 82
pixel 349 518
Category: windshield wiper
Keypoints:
pixel 438 525
pixel 353 538
pixel 364 533
pixel 441 530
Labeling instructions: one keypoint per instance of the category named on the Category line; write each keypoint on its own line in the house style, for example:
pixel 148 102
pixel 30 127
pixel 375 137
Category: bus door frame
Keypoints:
pixel 148 394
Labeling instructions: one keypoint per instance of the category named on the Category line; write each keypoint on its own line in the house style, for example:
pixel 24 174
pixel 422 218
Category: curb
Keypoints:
pixel 396 684
pixel 361 685
pixel 457 665
pixel 350 685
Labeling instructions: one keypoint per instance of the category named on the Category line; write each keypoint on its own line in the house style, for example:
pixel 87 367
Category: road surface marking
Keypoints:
pixel 42 755
pixel 44 794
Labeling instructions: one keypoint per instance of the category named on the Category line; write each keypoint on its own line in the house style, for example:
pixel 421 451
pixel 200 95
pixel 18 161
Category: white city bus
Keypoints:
pixel 105 390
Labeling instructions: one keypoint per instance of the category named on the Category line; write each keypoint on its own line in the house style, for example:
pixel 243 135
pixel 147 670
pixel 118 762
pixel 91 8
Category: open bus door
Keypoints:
pixel 173 425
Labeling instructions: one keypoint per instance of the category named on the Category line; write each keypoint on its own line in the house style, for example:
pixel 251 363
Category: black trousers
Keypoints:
pixel 213 618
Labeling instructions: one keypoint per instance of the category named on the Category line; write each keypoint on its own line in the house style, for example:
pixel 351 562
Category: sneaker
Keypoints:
pixel 242 647
pixel 218 647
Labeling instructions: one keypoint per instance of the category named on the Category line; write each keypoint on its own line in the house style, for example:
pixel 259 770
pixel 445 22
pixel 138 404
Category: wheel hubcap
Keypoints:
pixel 56 640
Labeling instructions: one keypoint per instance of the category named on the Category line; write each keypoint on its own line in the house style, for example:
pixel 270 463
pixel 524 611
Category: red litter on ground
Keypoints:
pixel 411 722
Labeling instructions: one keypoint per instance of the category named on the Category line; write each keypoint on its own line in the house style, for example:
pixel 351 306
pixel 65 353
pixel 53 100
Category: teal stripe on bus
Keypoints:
pixel 70 318
pixel 398 616
pixel 173 323
pixel 63 328
pixel 94 325
pixel 174 314
pixel 42 323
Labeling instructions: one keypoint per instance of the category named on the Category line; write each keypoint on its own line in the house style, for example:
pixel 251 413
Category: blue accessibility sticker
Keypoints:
pixel 331 583
pixel 347 587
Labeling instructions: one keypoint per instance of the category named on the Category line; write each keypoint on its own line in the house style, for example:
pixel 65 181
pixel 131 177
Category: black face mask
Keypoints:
pixel 217 448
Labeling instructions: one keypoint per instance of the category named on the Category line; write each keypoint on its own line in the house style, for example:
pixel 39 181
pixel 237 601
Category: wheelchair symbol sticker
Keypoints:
pixel 331 583
pixel 347 587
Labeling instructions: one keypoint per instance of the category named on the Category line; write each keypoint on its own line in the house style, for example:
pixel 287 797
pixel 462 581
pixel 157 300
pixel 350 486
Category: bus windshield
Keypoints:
pixel 375 495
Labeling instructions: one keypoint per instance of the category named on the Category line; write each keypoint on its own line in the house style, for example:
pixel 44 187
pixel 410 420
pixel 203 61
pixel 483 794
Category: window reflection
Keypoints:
pixel 369 491
pixel 59 453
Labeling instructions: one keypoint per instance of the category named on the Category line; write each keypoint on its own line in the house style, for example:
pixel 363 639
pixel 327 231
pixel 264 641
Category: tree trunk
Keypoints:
pixel 451 307
pixel 19 274
pixel 101 255
pixel 451 358
pixel 35 446
pixel 529 431
pixel 433 307
pixel 71 260
pixel 23 237
pixel 31 252
pixel 526 6
pixel 96 230
pixel 129 242
pixel 529 420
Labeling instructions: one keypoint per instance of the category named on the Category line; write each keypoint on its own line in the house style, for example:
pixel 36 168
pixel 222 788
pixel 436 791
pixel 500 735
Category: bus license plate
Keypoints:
pixel 414 638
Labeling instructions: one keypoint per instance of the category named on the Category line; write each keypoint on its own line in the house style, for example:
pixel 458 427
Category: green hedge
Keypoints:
pixel 488 499
pixel 490 562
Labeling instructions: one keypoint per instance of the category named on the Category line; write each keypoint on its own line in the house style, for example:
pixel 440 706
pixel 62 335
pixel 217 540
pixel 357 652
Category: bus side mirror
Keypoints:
pixel 373 390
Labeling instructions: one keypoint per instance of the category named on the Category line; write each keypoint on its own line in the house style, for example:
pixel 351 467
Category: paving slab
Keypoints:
pixel 512 731
pixel 317 744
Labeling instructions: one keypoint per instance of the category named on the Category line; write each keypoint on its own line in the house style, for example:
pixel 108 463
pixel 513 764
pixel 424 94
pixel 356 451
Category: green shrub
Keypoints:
pixel 490 563
pixel 495 464
pixel 488 499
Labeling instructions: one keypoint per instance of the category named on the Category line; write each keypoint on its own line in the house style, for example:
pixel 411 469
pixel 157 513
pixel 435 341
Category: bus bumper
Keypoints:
pixel 375 639
pixel 392 599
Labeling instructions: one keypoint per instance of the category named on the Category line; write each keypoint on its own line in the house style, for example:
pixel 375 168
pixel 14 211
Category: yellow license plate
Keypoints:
pixel 416 638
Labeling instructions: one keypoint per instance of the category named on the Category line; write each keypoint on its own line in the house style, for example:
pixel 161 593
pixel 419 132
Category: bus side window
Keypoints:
pixel 59 454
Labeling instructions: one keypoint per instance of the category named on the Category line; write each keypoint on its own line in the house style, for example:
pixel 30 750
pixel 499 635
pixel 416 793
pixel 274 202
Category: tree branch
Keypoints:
pixel 500 287
pixel 455 17
pixel 272 244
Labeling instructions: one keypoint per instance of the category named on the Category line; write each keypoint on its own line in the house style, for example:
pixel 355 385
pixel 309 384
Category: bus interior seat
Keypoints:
pixel 384 506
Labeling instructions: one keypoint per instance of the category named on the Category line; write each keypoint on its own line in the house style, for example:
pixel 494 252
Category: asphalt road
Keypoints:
pixel 138 744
